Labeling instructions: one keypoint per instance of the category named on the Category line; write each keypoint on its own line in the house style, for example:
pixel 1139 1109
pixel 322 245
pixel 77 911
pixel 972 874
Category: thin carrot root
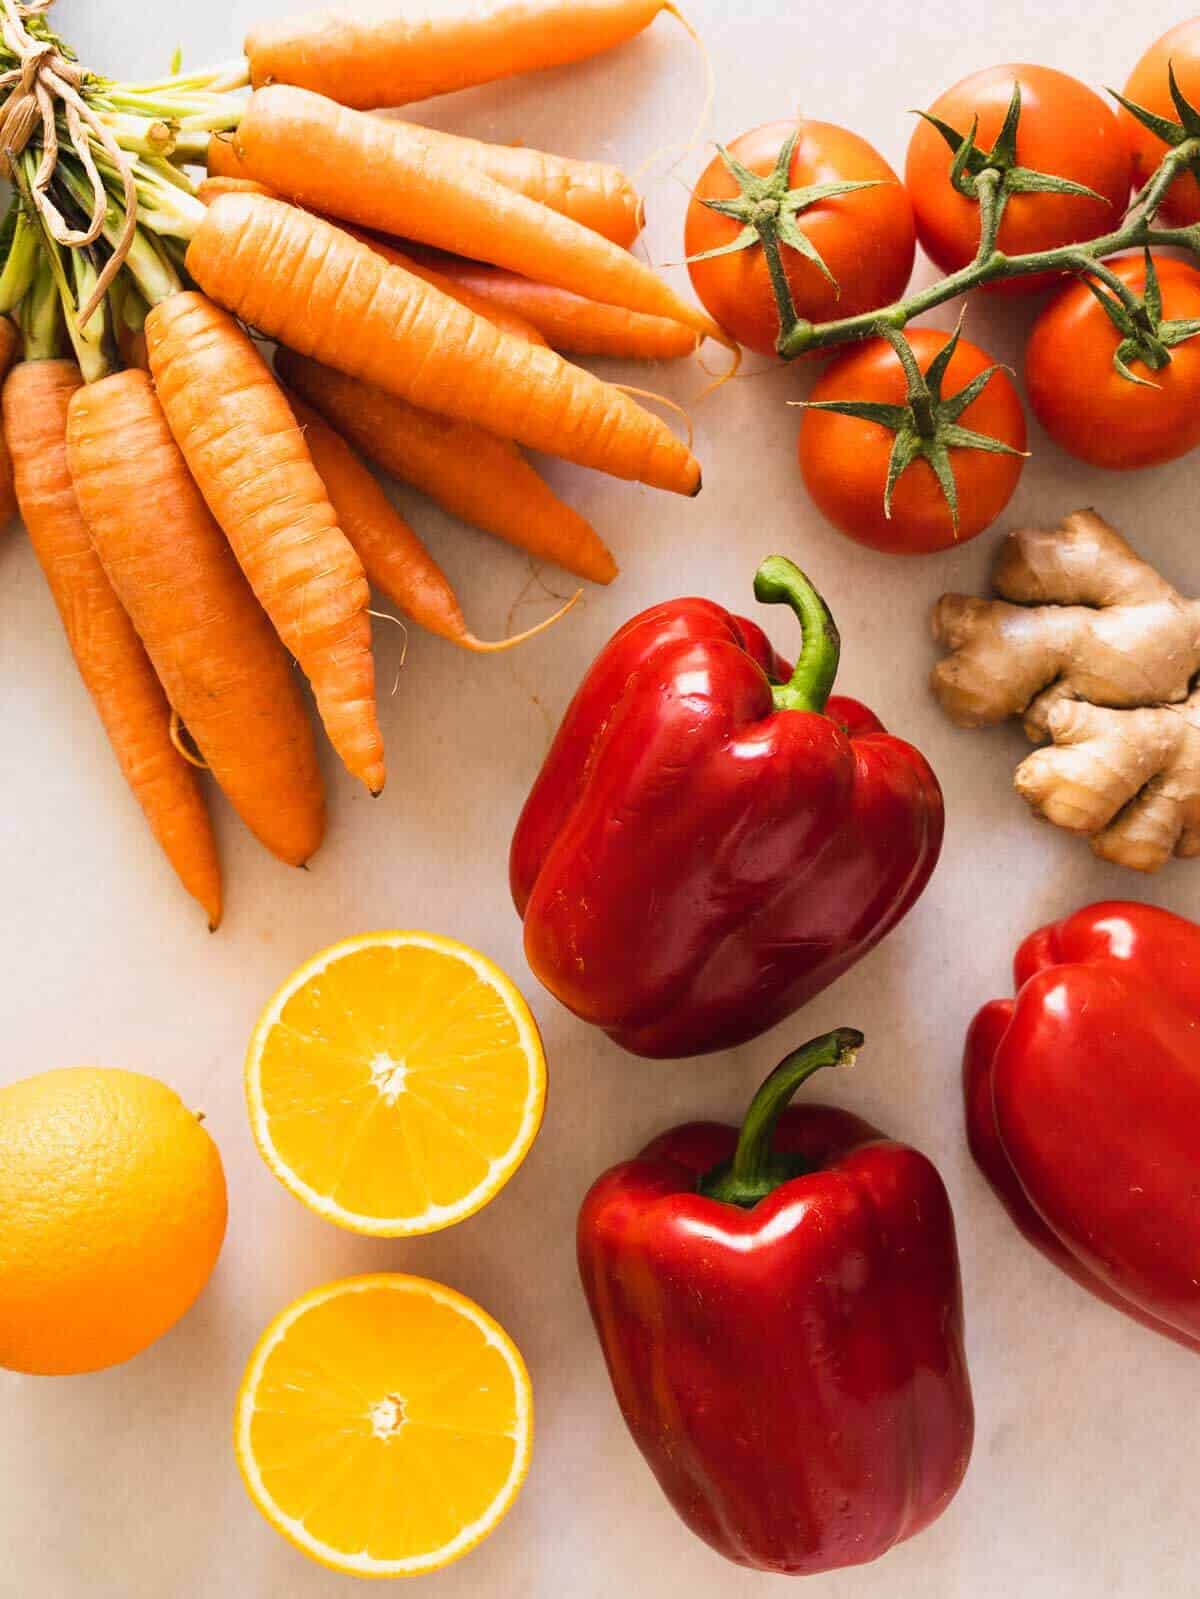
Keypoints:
pixel 183 742
pixel 686 146
pixel 302 281
pixel 228 677
pixel 397 563
pixel 391 59
pixel 250 462
pixel 304 147
pixel 112 662
pixel 501 493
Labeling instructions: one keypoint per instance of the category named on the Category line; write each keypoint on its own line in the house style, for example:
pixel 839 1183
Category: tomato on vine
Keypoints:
pixel 912 443
pixel 1116 386
pixel 822 197
pixel 1176 54
pixel 1061 161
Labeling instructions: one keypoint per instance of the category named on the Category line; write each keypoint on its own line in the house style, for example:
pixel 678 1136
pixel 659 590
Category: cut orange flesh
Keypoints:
pixel 384 1425
pixel 395 1082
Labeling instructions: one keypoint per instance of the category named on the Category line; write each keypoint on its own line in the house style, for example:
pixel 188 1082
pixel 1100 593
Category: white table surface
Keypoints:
pixel 122 1485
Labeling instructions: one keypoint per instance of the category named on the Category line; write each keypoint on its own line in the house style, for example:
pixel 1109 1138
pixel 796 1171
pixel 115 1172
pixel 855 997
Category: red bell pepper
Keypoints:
pixel 781 1315
pixel 1083 1106
pixel 712 840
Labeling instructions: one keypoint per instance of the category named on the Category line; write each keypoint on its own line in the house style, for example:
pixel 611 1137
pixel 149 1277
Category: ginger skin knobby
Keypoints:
pixel 1098 654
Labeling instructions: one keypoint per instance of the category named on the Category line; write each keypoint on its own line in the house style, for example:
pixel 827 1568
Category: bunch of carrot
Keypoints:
pixel 200 518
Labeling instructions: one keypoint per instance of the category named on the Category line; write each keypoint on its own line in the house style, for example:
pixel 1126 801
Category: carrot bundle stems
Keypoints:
pixel 386 176
pixel 251 464
pixel 302 281
pixel 112 662
pixel 389 57
pixel 224 670
pixel 397 563
pixel 500 493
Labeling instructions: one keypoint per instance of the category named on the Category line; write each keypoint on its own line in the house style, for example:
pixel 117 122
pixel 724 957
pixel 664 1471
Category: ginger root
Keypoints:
pixel 1098 654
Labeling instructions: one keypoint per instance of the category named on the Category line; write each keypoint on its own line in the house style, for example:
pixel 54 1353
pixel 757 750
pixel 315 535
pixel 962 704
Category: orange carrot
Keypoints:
pixel 223 160
pixel 568 322
pixel 397 563
pixel 499 315
pixel 393 55
pixel 387 177
pixel 474 475
pixel 112 662
pixel 304 282
pixel 214 650
pixel 10 343
pixel 208 189
pixel 251 464
pixel 595 193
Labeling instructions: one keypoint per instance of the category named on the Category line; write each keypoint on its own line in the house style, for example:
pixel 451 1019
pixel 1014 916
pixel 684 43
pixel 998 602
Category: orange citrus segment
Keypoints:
pixel 384 1425
pixel 395 1082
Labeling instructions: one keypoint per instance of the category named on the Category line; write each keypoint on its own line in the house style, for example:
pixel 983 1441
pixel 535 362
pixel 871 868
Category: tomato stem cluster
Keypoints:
pixel 991 184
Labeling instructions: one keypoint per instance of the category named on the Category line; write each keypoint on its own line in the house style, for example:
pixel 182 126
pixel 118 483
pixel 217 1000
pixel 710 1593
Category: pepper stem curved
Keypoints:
pixel 757 1169
pixel 779 581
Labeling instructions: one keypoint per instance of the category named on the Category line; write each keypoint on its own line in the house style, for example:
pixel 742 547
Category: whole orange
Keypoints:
pixel 112 1213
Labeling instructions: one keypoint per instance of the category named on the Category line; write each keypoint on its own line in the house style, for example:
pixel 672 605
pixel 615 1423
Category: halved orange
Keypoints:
pixel 384 1425
pixel 395 1082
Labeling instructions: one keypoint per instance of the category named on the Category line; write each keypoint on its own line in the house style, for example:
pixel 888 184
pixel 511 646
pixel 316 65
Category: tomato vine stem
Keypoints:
pixel 991 265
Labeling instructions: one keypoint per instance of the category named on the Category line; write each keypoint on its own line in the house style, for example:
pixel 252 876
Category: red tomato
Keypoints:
pixel 866 239
pixel 1085 404
pixel 1065 130
pixel 844 460
pixel 1149 86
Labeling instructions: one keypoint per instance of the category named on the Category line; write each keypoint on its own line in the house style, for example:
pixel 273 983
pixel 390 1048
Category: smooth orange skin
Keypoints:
pixel 1084 403
pixel 1065 129
pixel 844 461
pixel 866 239
pixel 1149 86
pixel 112 1215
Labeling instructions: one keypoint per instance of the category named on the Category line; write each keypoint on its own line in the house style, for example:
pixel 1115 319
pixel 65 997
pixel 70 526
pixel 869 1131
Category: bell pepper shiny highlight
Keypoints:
pixel 712 840
pixel 1083 1107
pixel 781 1315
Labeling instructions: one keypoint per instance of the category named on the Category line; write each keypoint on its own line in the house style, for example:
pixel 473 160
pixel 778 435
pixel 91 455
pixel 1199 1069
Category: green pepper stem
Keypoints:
pixel 757 1169
pixel 779 581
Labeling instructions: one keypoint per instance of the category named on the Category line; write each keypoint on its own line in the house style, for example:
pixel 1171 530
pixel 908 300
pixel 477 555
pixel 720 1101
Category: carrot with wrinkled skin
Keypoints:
pixel 397 563
pixel 391 55
pixel 215 652
pixel 112 662
pixel 499 315
pixel 251 464
pixel 568 323
pixel 212 188
pixel 208 189
pixel 594 193
pixel 386 177
pixel 304 282
pixel 472 474
pixel 10 343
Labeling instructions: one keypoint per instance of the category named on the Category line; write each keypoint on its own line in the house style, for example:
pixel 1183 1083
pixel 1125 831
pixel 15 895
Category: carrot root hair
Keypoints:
pixel 182 740
pixel 493 646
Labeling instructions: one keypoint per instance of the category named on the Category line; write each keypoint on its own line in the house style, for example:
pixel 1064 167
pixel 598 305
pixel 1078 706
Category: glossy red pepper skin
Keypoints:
pixel 693 864
pixel 793 1373
pixel 1083 1107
